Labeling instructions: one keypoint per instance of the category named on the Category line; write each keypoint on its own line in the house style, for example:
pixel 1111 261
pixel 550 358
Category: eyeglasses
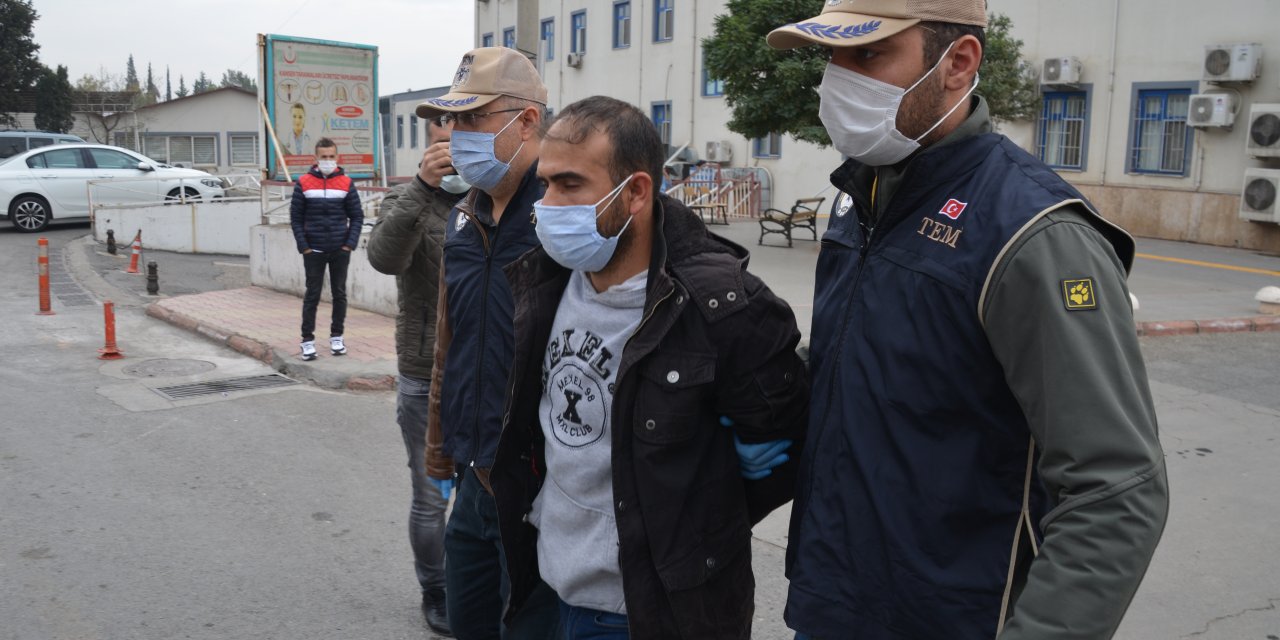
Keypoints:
pixel 468 119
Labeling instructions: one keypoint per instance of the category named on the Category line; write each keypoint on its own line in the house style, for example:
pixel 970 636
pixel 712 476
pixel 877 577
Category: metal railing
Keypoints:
pixel 740 197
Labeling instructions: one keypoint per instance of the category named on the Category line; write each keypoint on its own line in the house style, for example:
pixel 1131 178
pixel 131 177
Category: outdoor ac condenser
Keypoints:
pixel 1061 71
pixel 574 60
pixel 721 151
pixel 1232 62
pixel 1212 110
pixel 1258 197
pixel 1263 137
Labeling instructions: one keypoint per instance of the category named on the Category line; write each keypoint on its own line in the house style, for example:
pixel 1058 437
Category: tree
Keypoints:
pixel 1008 81
pixel 182 87
pixel 168 85
pixel 54 104
pixel 202 84
pixel 773 91
pixel 17 56
pixel 104 81
pixel 233 78
pixel 131 76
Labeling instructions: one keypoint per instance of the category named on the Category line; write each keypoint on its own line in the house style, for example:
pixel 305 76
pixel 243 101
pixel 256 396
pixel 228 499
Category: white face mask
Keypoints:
pixel 861 114
pixel 453 183
pixel 327 166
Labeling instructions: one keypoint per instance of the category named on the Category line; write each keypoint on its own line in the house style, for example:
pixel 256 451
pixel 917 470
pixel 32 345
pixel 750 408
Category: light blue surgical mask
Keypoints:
pixel 569 235
pixel 454 184
pixel 474 158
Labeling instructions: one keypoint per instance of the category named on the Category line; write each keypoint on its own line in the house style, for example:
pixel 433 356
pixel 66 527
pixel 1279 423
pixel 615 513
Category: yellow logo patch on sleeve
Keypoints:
pixel 1079 294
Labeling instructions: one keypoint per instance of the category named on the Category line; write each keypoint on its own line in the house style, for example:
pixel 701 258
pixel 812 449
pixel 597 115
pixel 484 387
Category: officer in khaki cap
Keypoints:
pixel 982 459
pixel 496 106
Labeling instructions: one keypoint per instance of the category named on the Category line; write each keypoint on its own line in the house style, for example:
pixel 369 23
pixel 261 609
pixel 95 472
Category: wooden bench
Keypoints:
pixel 803 215
pixel 710 211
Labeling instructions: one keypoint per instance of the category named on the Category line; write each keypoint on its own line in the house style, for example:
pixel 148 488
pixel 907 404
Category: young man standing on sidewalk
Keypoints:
pixel 647 356
pixel 407 242
pixel 325 215
pixel 496 104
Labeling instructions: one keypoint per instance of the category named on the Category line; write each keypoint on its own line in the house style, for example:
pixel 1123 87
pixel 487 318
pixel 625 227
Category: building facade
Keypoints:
pixel 1135 99
pixel 214 131
pixel 404 134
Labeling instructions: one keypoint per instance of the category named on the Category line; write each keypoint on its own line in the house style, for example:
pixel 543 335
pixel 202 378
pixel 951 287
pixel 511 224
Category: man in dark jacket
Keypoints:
pixel 643 348
pixel 325 215
pixel 496 106
pixel 983 458
pixel 407 242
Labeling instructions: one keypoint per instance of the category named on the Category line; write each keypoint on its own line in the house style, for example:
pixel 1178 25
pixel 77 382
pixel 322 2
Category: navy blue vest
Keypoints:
pixel 911 483
pixel 478 363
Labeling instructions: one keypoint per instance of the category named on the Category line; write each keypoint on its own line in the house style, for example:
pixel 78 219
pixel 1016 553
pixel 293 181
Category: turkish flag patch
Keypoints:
pixel 953 208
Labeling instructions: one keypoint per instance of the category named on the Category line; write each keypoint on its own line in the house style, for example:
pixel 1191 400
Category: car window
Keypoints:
pixel 57 159
pixel 35 143
pixel 12 146
pixel 108 159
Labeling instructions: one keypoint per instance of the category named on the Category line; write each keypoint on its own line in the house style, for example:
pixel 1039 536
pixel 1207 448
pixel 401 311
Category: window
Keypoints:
pixel 125 139
pixel 244 150
pixel 549 39
pixel 664 20
pixel 769 146
pixel 711 86
pixel 1161 140
pixel 486 40
pixel 185 150
pixel 413 132
pixel 109 159
pixel 509 37
pixel 578 32
pixel 1064 119
pixel 621 24
pixel 399 132
pixel 60 159
pixel 662 120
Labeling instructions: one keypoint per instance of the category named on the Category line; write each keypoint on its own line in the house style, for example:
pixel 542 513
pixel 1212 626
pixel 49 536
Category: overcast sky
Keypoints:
pixel 419 41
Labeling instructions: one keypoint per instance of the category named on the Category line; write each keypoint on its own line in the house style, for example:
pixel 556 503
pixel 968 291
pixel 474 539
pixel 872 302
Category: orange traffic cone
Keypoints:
pixel 110 352
pixel 137 253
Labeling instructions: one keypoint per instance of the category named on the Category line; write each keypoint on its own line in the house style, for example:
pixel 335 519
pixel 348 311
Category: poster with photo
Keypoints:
pixel 317 89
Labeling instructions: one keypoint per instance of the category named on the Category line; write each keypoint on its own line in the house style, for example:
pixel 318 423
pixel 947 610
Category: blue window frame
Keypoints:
pixel 578 32
pixel 622 24
pixel 662 120
pixel 711 86
pixel 549 39
pixel 1063 130
pixel 486 40
pixel 413 131
pixel 664 20
pixel 1160 140
pixel 509 37
pixel 769 146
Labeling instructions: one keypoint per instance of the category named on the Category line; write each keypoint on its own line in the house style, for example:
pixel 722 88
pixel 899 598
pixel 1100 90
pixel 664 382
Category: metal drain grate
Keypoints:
pixel 197 389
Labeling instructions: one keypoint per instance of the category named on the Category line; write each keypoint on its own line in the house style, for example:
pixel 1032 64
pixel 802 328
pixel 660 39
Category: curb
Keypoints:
pixel 1159 328
pixel 263 352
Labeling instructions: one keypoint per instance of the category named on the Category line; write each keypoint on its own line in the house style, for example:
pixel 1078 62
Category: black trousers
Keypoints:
pixel 315 264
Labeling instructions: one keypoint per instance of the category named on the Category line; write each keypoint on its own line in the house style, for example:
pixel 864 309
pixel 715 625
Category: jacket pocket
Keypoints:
pixel 706 558
pixel 673 390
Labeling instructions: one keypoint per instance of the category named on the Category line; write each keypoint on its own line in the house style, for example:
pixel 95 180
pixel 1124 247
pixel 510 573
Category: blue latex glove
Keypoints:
pixel 757 461
pixel 445 486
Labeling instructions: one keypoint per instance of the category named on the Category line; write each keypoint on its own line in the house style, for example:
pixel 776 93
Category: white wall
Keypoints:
pixel 219 113
pixel 213 227
pixel 274 263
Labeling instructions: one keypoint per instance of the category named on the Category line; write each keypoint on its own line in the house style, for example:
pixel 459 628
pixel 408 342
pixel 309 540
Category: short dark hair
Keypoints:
pixel 635 141
pixel 326 144
pixel 938 35
pixel 298 106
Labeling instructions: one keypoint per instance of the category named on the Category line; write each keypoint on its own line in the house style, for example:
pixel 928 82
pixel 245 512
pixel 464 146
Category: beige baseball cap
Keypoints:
pixel 854 23
pixel 483 76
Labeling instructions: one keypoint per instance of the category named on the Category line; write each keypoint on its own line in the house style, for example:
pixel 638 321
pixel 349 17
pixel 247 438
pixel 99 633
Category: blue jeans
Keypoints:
pixel 476 575
pixel 579 623
pixel 426 511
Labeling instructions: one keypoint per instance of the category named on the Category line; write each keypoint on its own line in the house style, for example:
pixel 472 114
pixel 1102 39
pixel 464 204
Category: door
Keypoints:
pixel 62 175
pixel 110 164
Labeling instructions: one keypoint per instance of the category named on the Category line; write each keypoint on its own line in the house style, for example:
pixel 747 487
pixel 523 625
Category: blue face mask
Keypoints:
pixel 474 159
pixel 569 235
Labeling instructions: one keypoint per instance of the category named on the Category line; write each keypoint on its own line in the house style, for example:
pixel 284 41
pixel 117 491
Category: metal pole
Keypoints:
pixel 46 306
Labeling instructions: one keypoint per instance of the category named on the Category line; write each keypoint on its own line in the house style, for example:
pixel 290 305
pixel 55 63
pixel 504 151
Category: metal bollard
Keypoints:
pixel 111 242
pixel 110 351
pixel 153 279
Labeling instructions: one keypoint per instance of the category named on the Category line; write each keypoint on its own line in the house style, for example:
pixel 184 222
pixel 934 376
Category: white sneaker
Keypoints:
pixel 309 350
pixel 336 346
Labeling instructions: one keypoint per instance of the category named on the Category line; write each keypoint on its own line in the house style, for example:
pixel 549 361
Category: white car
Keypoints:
pixel 50 183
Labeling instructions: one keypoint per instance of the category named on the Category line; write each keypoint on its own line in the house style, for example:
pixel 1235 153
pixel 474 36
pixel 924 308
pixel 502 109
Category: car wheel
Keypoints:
pixel 30 214
pixel 176 195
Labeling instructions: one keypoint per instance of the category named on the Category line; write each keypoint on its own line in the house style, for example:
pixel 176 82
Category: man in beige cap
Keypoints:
pixel 983 458
pixel 496 106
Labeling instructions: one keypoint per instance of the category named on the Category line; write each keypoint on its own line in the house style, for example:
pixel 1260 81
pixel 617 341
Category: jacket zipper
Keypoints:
pixel 484 319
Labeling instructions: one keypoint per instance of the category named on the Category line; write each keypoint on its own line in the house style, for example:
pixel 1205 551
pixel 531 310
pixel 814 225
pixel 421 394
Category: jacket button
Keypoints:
pixel 524 264
pixel 713 303
pixel 786 377
pixel 524 518
pixel 650 424
pixel 673 377
pixel 622 505
pixel 679 299
pixel 731 296
pixel 711 563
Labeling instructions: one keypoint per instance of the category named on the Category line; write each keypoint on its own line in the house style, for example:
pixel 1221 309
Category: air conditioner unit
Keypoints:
pixel 1212 110
pixel 1232 62
pixel 1260 196
pixel 721 152
pixel 1264 131
pixel 1061 71
pixel 574 60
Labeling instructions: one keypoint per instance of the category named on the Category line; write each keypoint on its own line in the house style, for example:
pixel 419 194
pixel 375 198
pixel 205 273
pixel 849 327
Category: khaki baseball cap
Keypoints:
pixel 854 23
pixel 483 76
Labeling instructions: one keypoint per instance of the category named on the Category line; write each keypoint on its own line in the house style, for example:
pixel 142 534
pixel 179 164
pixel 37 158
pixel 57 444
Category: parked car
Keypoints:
pixel 50 183
pixel 14 142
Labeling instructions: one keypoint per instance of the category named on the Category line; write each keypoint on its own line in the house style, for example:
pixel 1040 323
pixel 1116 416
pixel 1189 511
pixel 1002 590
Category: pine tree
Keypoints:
pixel 54 106
pixel 202 84
pixel 168 85
pixel 182 87
pixel 17 55
pixel 153 92
pixel 131 76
